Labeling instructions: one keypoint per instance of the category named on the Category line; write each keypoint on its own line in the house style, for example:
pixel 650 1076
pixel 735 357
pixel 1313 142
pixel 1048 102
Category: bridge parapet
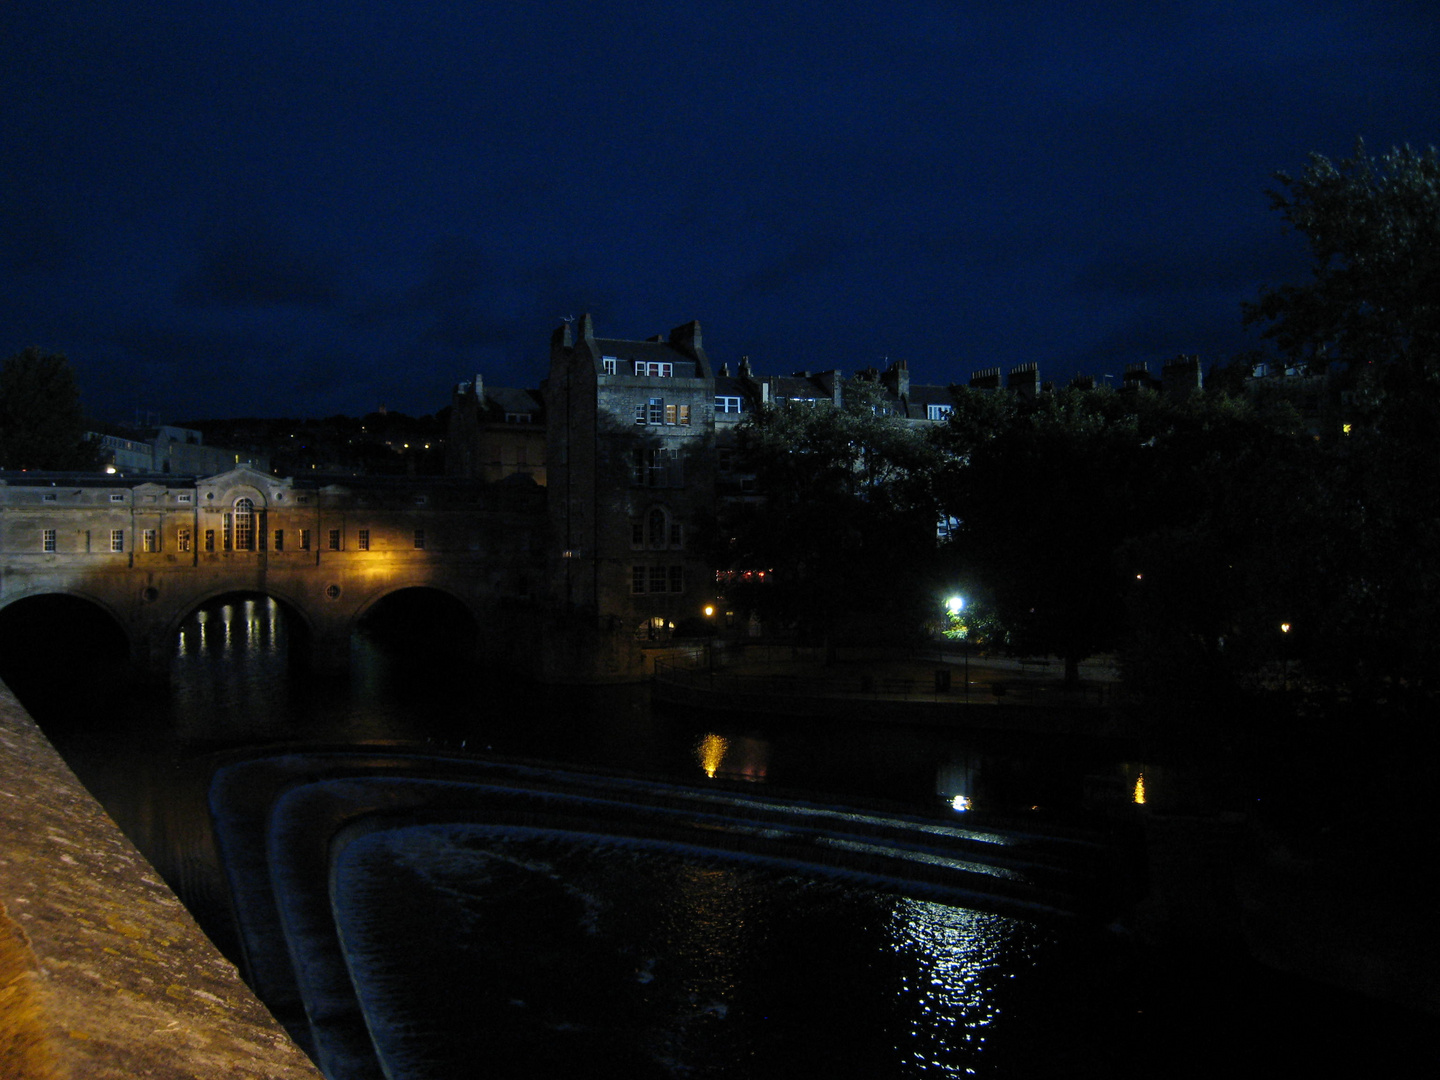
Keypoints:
pixel 105 974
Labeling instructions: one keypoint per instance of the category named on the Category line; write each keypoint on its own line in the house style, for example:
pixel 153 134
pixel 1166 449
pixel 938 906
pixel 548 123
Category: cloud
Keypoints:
pixel 249 269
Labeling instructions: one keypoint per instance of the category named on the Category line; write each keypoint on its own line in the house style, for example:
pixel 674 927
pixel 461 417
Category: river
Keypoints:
pixel 148 754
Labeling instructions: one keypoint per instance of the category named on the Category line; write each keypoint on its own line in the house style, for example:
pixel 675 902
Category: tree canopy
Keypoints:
pixel 41 423
pixel 845 531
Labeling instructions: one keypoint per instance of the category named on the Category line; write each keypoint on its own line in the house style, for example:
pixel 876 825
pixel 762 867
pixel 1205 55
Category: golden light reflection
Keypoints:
pixel 711 752
pixel 1139 796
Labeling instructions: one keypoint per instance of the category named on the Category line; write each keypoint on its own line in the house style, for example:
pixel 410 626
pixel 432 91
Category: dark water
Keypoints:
pixel 944 976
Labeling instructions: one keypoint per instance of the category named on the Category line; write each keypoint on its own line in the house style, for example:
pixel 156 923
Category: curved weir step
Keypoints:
pixel 287 824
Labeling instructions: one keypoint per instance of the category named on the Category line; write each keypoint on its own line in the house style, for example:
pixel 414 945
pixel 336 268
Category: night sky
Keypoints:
pixel 302 208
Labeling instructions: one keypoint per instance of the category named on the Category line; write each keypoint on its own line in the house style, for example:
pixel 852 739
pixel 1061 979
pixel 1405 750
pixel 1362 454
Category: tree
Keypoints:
pixel 1044 494
pixel 1369 319
pixel 41 423
pixel 1373 303
pixel 845 531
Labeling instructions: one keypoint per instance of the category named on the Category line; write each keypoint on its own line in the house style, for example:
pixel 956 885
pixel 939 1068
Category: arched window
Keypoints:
pixel 244 525
pixel 658 527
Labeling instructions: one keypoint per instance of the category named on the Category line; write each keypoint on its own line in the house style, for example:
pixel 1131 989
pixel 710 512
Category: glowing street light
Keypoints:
pixel 955 604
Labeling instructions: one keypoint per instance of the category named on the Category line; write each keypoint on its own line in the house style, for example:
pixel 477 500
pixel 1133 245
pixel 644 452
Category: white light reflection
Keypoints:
pixel 948 996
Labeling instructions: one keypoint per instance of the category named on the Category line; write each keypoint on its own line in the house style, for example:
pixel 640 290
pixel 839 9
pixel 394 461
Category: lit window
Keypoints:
pixel 938 412
pixel 304 539
pixel 684 418
pixel 362 539
pixel 244 524
pixel 117 539
pixel 182 539
pixel 47 540
pixel 150 540
pixel 727 404
pixel 334 539
pixel 670 411
pixel 419 539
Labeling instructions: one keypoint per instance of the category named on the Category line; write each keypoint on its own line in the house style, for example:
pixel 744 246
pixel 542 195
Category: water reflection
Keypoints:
pixel 957 955
pixel 737 758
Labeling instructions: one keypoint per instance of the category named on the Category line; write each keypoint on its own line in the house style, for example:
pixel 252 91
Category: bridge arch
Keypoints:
pixel 419 615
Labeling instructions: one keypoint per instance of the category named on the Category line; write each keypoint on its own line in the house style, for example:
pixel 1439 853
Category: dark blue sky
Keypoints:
pixel 303 208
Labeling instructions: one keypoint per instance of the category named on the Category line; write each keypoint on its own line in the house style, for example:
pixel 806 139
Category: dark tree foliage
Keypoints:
pixel 1373 302
pixel 41 422
pixel 1095 520
pixel 1044 496
pixel 1367 528
pixel 846 528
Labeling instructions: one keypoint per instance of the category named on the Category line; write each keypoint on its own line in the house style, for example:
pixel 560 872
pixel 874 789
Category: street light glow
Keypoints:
pixel 955 604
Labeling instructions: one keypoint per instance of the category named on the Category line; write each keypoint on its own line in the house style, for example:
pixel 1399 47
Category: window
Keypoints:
pixel 185 497
pixel 362 540
pixel 182 538
pixel 727 404
pixel 244 525
pixel 117 498
pixel 209 539
pixel 656 410
pixel 660 468
pixel 150 540
pixel 47 540
pixel 419 539
pixel 49 496
pixel 657 579
pixel 279 539
pixel 677 535
pixel 609 364
pixel 637 534
pixel 938 412
pixel 117 539
pixel 334 539
pixel 654 369
pixel 659 528
pixel 725 459
pixel 519 417
pixel 304 539
pixel 684 418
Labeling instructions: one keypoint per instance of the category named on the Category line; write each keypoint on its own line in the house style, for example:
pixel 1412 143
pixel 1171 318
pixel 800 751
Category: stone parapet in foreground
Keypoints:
pixel 103 973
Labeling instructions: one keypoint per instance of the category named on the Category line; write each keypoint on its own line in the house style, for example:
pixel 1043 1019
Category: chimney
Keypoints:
pixel 686 338
pixel 986 379
pixel 896 379
pixel 1024 379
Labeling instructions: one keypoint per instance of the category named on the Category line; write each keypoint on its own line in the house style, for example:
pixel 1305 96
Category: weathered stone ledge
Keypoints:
pixel 103 973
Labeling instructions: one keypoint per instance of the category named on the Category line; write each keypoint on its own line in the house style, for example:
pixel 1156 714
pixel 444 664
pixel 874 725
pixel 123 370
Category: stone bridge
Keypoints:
pixel 149 552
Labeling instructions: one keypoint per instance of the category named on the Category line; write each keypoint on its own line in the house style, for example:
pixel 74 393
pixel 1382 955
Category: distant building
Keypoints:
pixel 168 450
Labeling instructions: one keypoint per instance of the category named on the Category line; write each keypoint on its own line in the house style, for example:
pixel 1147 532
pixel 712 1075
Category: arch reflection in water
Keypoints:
pixel 228 671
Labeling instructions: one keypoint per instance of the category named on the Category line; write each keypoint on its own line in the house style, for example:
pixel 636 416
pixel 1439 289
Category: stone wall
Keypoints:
pixel 102 972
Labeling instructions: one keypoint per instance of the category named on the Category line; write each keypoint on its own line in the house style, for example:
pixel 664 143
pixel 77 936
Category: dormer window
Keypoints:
pixel 654 369
pixel 609 365
pixel 727 404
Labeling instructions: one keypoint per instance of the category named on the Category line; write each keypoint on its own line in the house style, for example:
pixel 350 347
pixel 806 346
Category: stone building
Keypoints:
pixel 630 465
